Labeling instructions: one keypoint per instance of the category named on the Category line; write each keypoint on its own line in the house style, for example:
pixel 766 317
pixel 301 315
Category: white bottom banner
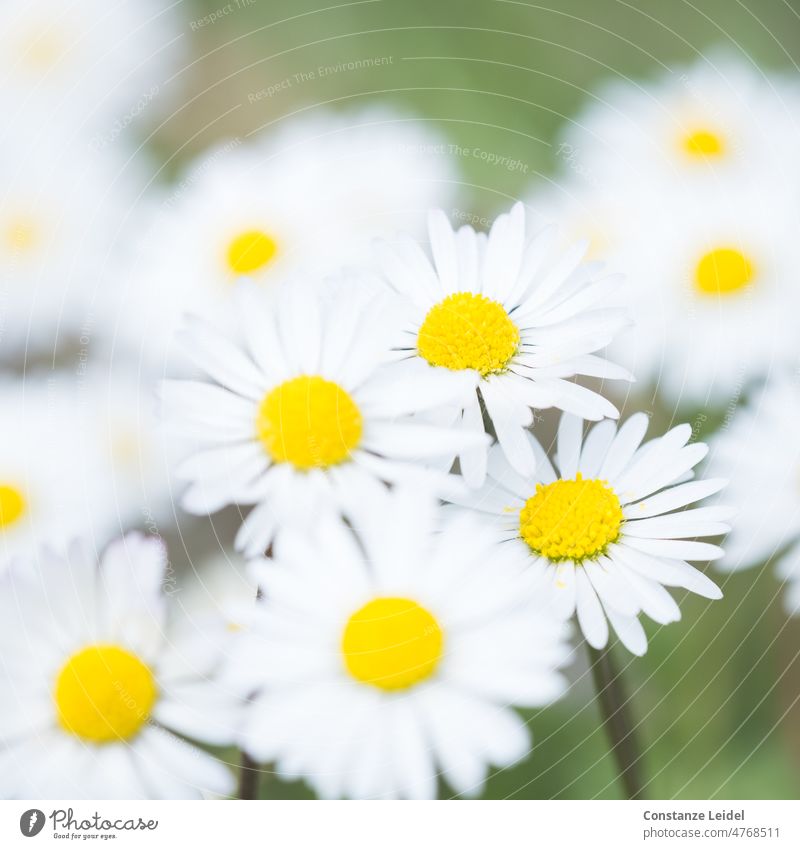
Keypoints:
pixel 400 825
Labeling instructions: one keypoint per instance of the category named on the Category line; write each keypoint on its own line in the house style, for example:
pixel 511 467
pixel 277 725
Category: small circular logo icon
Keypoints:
pixel 31 822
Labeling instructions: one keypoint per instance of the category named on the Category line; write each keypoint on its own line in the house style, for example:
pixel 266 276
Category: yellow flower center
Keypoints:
pixel 571 519
pixel 250 251
pixel 723 271
pixel 43 48
pixel 12 505
pixel 20 234
pixel 703 143
pixel 309 422
pixel 104 693
pixel 392 644
pixel 468 331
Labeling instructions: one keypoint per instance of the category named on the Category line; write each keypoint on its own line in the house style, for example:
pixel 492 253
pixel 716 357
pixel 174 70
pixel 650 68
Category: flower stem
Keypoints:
pixel 248 778
pixel 618 721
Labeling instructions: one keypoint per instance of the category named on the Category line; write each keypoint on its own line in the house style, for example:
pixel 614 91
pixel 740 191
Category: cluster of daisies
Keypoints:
pixel 256 338
pixel 688 184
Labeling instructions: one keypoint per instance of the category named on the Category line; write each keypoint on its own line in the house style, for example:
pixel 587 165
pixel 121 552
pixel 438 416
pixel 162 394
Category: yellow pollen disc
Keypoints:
pixel 723 271
pixel 104 693
pixel 42 50
pixel 571 519
pixel 703 143
pixel 12 505
pixel 468 331
pixel 392 643
pixel 250 251
pixel 21 234
pixel 309 422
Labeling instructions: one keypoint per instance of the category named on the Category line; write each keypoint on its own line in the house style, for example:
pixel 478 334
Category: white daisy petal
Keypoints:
pixel 676 496
pixel 676 549
pixel 509 418
pixel 570 433
pixel 629 630
pixel 629 437
pixel 591 616
pixel 595 448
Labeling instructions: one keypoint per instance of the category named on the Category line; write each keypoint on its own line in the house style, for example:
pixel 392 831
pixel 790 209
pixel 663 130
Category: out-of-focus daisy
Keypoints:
pixel 605 534
pixel 705 276
pixel 49 490
pixel 93 676
pixel 120 420
pixel 88 63
pixel 512 314
pixel 217 587
pixel 764 484
pixel 388 655
pixel 720 117
pixel 303 200
pixel 61 233
pixel 307 413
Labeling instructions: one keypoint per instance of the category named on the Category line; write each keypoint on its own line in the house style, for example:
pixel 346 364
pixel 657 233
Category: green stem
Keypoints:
pixel 248 778
pixel 618 721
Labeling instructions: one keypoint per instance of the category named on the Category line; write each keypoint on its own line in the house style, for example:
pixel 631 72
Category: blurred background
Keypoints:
pixel 716 695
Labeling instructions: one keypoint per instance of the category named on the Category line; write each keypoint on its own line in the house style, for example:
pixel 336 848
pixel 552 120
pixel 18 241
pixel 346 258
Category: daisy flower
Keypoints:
pixel 303 200
pixel 386 654
pixel 520 319
pixel 719 118
pixel 49 490
pixel 94 64
pixel 605 535
pixel 710 271
pixel 61 219
pixel 306 412
pixel 93 676
pixel 763 484
pixel 120 420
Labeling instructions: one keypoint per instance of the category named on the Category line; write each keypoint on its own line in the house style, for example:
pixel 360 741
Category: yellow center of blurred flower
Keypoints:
pixel 250 251
pixel 468 331
pixel 12 505
pixel 104 693
pixel 723 271
pixel 21 234
pixel 571 519
pixel 42 49
pixel 309 422
pixel 392 643
pixel 703 143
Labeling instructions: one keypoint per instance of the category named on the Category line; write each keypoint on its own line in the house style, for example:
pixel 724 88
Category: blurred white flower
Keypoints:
pixel 93 675
pixel 600 537
pixel 517 317
pixel 82 457
pixel 719 118
pixel 689 187
pixel 118 407
pixel 305 413
pixel 49 490
pixel 764 484
pixel 388 654
pixel 301 200
pixel 88 64
pixel 63 214
pixel 217 587
pixel 710 280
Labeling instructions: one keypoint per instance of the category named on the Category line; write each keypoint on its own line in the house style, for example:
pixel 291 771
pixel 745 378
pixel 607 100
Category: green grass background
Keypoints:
pixel 717 694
